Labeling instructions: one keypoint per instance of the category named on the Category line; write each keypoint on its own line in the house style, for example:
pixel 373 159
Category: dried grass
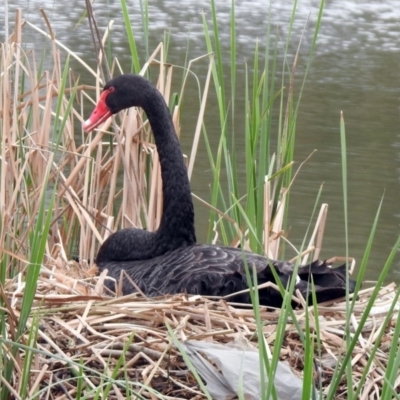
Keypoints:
pixel 79 325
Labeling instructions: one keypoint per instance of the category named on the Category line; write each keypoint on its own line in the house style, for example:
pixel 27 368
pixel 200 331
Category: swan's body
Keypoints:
pixel 219 271
pixel 169 261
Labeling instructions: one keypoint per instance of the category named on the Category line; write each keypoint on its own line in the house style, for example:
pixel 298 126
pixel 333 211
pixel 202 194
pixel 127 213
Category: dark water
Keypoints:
pixel 355 70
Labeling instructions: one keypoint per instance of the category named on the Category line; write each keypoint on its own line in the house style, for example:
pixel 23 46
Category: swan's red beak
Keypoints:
pixel 99 114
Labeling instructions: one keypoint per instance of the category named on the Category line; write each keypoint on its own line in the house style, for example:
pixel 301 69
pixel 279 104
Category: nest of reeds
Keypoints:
pixel 83 338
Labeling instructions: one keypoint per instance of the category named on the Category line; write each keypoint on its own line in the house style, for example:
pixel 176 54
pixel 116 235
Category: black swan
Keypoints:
pixel 168 261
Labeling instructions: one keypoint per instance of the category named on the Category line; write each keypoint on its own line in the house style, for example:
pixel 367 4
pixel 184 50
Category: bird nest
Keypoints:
pixel 84 337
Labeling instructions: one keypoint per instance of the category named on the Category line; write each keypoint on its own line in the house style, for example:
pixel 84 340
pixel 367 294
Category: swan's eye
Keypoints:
pixel 111 89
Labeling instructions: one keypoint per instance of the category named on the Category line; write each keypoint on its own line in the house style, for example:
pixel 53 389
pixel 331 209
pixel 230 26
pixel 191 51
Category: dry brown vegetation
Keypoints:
pixel 78 325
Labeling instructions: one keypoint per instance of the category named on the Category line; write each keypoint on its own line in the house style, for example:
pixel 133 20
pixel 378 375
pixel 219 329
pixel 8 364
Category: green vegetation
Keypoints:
pixel 60 198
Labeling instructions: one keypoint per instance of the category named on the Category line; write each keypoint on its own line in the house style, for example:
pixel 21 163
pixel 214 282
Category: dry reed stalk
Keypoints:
pixel 317 234
pixel 199 124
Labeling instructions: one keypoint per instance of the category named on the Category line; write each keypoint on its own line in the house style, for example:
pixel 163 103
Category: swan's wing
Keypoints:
pixel 200 269
pixel 213 270
pixel 219 271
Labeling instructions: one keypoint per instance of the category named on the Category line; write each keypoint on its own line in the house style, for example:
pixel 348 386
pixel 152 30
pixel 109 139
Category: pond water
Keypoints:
pixel 355 70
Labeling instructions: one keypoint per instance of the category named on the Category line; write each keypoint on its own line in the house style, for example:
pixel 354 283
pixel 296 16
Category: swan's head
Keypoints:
pixel 122 92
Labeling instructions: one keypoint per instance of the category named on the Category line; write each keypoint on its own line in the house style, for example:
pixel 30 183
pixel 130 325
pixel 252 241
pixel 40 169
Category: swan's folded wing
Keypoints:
pixel 207 270
pixel 200 269
pixel 219 271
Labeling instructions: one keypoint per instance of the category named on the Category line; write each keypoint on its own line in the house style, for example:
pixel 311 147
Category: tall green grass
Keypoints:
pixel 264 165
pixel 264 104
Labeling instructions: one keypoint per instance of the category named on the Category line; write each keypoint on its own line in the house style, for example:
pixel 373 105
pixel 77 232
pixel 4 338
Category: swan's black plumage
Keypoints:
pixel 169 261
pixel 177 222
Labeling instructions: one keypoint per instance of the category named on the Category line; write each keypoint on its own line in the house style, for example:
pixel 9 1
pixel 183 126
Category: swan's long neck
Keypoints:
pixel 177 223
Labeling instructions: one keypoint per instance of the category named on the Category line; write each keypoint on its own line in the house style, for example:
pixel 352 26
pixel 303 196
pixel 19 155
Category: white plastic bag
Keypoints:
pixel 238 366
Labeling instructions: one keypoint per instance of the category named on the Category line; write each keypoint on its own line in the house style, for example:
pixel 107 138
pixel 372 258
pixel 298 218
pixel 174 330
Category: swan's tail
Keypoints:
pixel 328 283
